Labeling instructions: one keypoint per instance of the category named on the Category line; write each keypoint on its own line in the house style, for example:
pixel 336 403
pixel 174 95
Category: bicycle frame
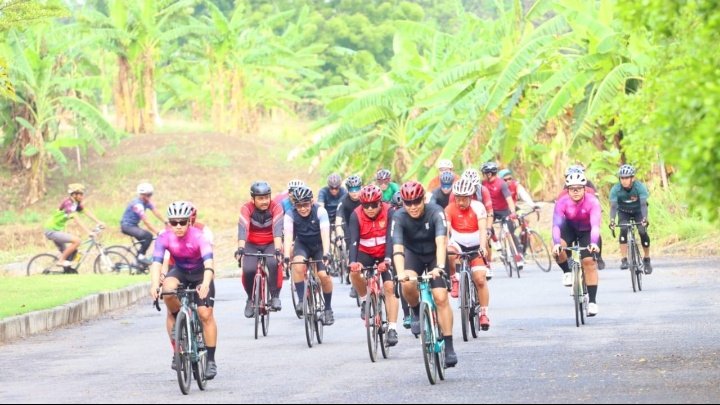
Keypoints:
pixel 260 293
pixel 508 250
pixel 433 345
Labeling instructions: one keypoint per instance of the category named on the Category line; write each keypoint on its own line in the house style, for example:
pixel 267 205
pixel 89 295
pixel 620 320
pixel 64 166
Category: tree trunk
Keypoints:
pixel 147 109
pixel 38 168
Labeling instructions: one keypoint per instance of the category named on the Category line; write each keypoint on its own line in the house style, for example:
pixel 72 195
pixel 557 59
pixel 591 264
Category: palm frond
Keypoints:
pixel 611 86
pixel 91 115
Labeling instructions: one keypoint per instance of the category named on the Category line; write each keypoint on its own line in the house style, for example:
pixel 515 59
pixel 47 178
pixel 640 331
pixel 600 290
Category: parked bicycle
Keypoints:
pixel 433 346
pixel 190 350
pixel 579 287
pixel 261 303
pixel 507 249
pixel 376 322
pixel 313 302
pixel 635 262
pixel 532 243
pixel 106 261
pixel 130 252
pixel 469 305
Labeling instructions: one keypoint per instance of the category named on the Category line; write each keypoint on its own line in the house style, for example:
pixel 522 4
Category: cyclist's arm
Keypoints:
pixel 558 218
pixel 595 219
pixel 92 216
pixel 339 217
pixel 324 229
pixel 524 195
pixel 643 195
pixel 208 275
pixel 321 197
pixel 440 238
pixel 243 227
pixel 158 255
pixel 277 226
pixel 288 231
pixel 388 236
pixel 613 202
pixel 505 189
pixel 81 225
pixel 354 231
pixel 481 215
pixel 149 225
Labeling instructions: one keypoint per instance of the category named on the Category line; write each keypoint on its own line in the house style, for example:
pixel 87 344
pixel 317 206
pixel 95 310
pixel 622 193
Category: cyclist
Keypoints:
pixel 330 196
pixel 134 213
pixel 260 230
pixel 369 233
pixel 169 262
pixel 441 195
pixel 395 204
pixel 502 202
pixel 419 235
pixel 194 267
pixel 308 227
pixel 577 218
pixel 284 199
pixel 388 187
pixel 516 189
pixel 466 232
pixel 342 217
pixel 628 199
pixel 56 224
pixel 443 165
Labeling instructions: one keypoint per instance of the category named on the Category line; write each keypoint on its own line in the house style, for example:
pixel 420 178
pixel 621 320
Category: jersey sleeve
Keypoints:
pixel 558 219
pixel 354 230
pixel 397 229
pixel 440 223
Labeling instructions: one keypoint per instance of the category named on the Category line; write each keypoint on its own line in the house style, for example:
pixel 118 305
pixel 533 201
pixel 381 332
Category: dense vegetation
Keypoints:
pixel 397 84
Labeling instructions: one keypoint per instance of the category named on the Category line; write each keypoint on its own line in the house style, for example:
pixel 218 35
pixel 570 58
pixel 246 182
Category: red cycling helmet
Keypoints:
pixel 370 194
pixel 412 190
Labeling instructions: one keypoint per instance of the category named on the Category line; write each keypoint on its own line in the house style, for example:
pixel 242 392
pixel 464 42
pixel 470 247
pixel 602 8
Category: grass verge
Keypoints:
pixel 27 294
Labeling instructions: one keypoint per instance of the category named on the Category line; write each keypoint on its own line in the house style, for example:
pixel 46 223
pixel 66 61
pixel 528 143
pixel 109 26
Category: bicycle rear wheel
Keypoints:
pixel 465 300
pixel 309 315
pixel 43 263
pixel 183 351
pixel 428 339
pixel 371 327
pixel 110 262
pixel 539 251
pixel 257 302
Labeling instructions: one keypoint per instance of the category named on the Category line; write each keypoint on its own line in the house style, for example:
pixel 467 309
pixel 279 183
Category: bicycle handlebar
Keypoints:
pixel 307 261
pixel 268 255
pixel 423 277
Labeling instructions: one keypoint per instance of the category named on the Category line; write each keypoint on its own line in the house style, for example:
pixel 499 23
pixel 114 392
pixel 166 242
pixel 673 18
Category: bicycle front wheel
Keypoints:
pixel 428 339
pixel 577 295
pixel 43 263
pixel 201 364
pixel 319 313
pixel 265 314
pixel 465 300
pixel 371 326
pixel 539 251
pixel 257 302
pixel 183 352
pixel 634 267
pixel 639 266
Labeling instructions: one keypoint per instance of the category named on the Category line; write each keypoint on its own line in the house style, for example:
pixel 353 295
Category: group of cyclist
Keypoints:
pixel 402 231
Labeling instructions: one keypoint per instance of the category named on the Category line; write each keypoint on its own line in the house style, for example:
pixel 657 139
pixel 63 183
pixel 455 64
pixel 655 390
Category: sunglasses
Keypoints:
pixel 413 203
pixel 354 189
pixel 575 189
pixel 384 181
pixel 628 177
pixel 372 205
pixel 303 205
pixel 334 188
pixel 181 222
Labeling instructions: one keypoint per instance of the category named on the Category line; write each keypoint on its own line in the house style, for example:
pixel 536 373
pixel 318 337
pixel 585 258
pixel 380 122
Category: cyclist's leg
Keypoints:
pixel 409 289
pixel 299 270
pixel 644 237
pixel 444 312
pixel 207 317
pixel 325 279
pixel 249 266
pixel 143 236
pixel 66 243
pixel 589 266
pixel 453 265
pixel 623 218
pixel 170 283
pixel 356 279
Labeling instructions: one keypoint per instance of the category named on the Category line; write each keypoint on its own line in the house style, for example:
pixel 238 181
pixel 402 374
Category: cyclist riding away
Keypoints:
pixel 369 236
pixel 307 227
pixel 577 218
pixel 260 229
pixel 419 235
pixel 466 232
pixel 628 199
pixel 54 226
pixel 388 187
pixel 441 195
pixel 134 213
pixel 194 267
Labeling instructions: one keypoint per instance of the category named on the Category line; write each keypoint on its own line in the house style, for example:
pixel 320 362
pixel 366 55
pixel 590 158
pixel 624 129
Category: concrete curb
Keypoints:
pixel 83 309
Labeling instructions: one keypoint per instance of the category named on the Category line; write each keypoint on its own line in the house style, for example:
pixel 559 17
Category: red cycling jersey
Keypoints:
pixel 373 232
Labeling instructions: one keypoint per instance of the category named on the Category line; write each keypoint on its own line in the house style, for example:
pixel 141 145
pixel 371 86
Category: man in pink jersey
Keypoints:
pixel 194 267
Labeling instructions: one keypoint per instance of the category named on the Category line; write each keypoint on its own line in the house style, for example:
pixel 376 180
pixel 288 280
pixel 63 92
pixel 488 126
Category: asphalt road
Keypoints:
pixel 658 346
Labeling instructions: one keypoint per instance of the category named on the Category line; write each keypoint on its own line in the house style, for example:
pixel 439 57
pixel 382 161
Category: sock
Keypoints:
pixel 392 325
pixel 211 353
pixel 416 311
pixel 564 266
pixel 449 343
pixel 592 291
pixel 300 288
pixel 328 300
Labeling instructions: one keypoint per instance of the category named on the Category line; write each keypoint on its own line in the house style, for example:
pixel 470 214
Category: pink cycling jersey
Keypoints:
pixel 189 252
pixel 583 216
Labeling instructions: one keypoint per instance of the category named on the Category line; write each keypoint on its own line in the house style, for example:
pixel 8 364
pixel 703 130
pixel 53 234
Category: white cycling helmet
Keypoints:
pixel 464 187
pixel 575 179
pixel 293 184
pixel 179 210
pixel 445 164
pixel 473 175
pixel 144 188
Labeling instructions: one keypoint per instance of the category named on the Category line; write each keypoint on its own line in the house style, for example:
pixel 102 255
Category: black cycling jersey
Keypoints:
pixel 418 235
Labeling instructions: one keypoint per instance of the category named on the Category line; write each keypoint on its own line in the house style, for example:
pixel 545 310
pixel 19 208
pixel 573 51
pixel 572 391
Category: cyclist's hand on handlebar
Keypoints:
pixel 437 272
pixel 203 290
pixel 593 248
pixel 383 266
pixel 401 276
pixel 645 222
pixel 286 261
pixel 239 253
pixel 155 292
pixel 356 267
pixel 326 259
pixel 556 250
pixel 278 255
pixel 612 225
pixel 513 217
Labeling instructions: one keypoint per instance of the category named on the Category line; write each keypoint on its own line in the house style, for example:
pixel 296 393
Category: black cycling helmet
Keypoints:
pixel 353 182
pixel 397 200
pixel 259 188
pixel 334 180
pixel 302 194
pixel 489 167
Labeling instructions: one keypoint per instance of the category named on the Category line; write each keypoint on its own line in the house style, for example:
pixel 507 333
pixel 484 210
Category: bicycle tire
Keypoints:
pixel 384 346
pixel 640 266
pixel 633 267
pixel 183 351
pixel 110 262
pixel 371 325
pixel 309 315
pixel 43 263
pixel 201 364
pixel 513 254
pixel 428 339
pixel 539 251
pixel 474 316
pixel 319 313
pixel 439 354
pixel 465 317
pixel 295 299
pixel 257 295
pixel 576 294
pixel 265 318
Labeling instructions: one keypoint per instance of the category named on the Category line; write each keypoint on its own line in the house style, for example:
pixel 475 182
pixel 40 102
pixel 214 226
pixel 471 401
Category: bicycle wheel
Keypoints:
pixel 183 352
pixel 43 263
pixel 508 256
pixel 319 313
pixel 474 315
pixel 577 294
pixel 265 315
pixel 584 300
pixel 201 364
pixel 309 315
pixel 512 255
pixel 465 317
pixel 294 295
pixel 634 268
pixel 257 296
pixel 539 251
pixel 440 351
pixel 639 266
pixel 371 327
pixel 428 339
pixel 110 262
pixel 383 325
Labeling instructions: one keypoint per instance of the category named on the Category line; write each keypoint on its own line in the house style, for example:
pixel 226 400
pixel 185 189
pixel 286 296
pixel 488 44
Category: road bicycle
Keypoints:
pixel 469 305
pixel 130 252
pixel 313 302
pixel 190 350
pixel 579 287
pixel 261 305
pixel 338 264
pixel 635 263
pixel 532 243
pixel 507 249
pixel 106 261
pixel 376 322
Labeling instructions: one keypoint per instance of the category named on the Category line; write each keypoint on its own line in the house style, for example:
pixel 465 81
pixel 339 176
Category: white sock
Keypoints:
pixel 392 325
